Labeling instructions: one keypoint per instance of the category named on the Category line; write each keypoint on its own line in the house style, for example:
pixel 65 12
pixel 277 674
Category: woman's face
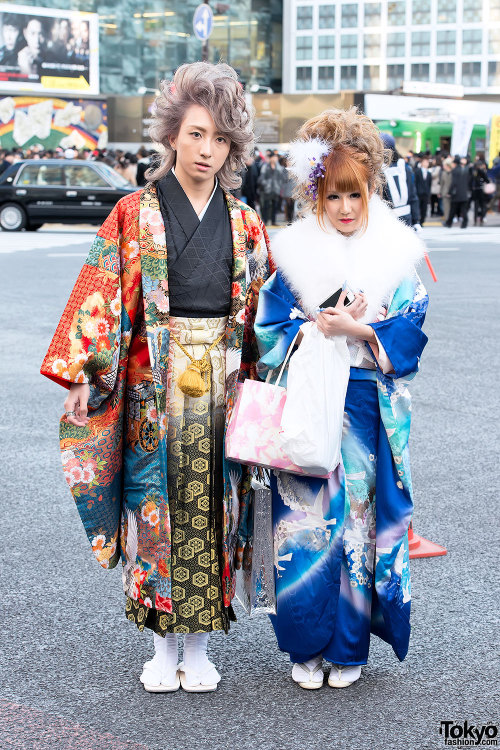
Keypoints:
pixel 200 149
pixel 345 211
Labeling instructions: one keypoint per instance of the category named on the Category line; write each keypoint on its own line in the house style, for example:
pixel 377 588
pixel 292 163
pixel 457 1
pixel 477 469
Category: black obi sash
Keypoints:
pixel 199 253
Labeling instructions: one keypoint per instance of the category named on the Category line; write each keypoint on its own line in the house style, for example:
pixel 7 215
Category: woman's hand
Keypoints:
pixel 338 320
pixel 335 322
pixel 357 308
pixel 343 321
pixel 76 402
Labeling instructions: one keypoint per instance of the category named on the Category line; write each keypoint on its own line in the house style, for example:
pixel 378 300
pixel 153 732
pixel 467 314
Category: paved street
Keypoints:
pixel 69 661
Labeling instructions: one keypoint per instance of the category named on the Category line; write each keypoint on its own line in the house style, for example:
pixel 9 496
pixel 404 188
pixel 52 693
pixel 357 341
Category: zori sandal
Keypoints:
pixel 205 681
pixel 158 680
pixel 343 676
pixel 309 675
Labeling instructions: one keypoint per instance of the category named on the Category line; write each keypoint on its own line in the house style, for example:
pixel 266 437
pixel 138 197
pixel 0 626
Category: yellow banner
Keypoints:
pixel 58 82
pixel 494 138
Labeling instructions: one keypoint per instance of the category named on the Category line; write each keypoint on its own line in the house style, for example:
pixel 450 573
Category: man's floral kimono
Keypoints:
pixel 114 333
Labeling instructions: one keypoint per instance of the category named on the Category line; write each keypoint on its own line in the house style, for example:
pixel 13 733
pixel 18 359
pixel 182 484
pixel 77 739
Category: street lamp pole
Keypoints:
pixel 204 46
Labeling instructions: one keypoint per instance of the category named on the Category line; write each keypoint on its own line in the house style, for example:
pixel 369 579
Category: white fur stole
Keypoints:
pixel 315 263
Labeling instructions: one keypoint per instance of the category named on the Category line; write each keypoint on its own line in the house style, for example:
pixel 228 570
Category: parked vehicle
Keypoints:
pixel 70 191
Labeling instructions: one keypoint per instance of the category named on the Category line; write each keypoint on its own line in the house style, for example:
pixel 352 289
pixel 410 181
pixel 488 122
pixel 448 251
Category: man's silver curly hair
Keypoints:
pixel 215 87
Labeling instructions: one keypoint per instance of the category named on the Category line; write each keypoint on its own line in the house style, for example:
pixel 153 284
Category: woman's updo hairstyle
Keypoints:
pixel 215 87
pixel 355 161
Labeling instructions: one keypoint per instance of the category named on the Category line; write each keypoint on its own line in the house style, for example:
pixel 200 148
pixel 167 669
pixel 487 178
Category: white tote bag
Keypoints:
pixel 311 424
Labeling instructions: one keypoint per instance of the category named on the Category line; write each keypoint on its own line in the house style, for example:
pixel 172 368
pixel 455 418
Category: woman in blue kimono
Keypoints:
pixel 341 545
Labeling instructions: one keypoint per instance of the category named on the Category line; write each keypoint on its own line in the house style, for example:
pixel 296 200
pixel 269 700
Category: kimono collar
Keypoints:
pixel 203 210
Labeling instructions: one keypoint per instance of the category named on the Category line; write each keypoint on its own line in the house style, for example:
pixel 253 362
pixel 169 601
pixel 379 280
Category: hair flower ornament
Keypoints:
pixel 306 163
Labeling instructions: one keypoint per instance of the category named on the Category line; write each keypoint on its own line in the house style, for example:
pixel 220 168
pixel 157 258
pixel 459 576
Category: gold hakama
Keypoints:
pixel 195 444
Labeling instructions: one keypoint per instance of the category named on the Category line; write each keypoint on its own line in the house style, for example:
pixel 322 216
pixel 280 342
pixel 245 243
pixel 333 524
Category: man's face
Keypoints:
pixel 425 163
pixel 273 160
pixel 10 34
pixel 33 33
pixel 200 149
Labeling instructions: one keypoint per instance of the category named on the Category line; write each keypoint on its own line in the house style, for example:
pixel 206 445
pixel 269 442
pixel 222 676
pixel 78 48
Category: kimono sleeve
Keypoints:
pixel 86 344
pixel 278 320
pixel 400 333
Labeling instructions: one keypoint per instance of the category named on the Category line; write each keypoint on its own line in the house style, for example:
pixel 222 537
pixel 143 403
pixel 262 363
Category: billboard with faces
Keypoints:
pixel 47 50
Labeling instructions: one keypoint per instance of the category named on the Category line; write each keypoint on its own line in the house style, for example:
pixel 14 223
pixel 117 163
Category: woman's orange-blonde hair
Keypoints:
pixel 355 161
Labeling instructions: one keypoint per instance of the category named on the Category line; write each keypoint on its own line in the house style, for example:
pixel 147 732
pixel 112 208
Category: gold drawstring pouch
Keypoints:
pixel 195 380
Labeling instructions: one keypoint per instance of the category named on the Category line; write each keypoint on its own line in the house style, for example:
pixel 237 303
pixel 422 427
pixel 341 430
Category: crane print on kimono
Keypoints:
pixel 114 335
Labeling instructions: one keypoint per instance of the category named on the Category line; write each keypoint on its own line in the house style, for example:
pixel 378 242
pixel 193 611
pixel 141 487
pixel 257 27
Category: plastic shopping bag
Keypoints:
pixel 255 587
pixel 311 423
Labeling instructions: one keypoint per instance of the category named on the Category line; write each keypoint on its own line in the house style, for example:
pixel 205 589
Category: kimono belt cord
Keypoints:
pixel 195 380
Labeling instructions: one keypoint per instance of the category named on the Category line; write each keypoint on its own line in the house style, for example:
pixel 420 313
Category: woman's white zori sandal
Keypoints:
pixel 199 682
pixel 309 675
pixel 343 676
pixel 157 679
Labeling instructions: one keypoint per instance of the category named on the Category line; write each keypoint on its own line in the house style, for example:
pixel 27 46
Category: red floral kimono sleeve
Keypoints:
pixel 85 347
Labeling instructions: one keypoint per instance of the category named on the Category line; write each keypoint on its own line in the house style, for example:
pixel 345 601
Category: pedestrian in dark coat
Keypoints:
pixel 445 187
pixel 270 182
pixel 399 187
pixel 459 193
pixel 6 159
pixel 143 164
pixel 423 182
pixel 249 183
pixel 479 178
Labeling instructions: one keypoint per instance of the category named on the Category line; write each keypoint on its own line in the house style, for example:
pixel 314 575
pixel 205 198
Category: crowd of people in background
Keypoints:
pixel 448 187
pixel 441 187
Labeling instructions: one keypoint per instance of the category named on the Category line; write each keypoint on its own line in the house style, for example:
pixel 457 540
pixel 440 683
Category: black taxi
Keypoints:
pixel 69 191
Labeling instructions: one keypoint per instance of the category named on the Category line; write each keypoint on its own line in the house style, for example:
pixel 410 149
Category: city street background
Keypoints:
pixel 70 662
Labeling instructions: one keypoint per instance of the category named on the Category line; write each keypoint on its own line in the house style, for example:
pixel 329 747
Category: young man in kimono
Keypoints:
pixel 155 336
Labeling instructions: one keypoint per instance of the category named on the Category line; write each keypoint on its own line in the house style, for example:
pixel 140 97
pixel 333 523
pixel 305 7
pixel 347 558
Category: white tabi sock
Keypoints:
pixel 197 669
pixel 166 652
pixel 195 652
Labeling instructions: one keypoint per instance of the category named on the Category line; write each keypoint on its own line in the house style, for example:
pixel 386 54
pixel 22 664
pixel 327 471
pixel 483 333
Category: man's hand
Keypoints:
pixel 76 402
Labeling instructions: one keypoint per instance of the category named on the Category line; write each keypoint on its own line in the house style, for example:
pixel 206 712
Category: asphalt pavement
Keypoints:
pixel 69 661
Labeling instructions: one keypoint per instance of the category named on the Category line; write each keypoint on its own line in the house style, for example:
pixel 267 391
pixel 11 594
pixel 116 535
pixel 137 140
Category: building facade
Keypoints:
pixel 141 43
pixel 375 46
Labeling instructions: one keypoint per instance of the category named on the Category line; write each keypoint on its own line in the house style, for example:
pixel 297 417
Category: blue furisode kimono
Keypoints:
pixel 341 545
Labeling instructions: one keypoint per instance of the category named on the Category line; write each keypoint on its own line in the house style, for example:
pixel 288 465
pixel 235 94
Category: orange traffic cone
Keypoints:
pixel 420 547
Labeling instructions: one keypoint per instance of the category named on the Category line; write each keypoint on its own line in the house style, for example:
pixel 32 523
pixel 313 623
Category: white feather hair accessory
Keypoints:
pixel 305 162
